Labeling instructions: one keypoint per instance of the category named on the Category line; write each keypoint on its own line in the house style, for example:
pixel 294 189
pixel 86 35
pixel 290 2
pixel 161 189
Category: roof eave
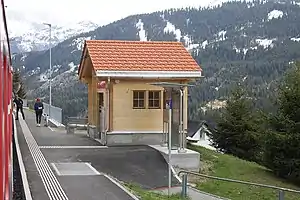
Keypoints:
pixel 150 74
pixel 80 68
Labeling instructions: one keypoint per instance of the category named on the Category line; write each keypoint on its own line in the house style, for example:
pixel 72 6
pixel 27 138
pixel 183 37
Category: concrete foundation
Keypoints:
pixel 114 139
pixel 189 160
pixel 92 132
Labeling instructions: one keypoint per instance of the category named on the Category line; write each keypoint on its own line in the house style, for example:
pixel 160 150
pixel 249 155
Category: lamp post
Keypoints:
pixel 50 68
pixel 170 147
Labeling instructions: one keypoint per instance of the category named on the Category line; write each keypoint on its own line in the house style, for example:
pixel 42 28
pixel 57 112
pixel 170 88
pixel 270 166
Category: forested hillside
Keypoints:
pixel 246 43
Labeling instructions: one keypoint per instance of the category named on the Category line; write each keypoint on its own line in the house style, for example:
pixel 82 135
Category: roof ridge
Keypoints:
pixel 134 41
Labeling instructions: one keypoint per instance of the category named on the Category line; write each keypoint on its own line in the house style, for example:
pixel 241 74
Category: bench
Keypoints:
pixel 76 122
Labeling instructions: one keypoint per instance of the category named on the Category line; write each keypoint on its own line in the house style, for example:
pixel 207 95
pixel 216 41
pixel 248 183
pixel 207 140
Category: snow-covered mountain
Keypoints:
pixel 30 34
pixel 26 36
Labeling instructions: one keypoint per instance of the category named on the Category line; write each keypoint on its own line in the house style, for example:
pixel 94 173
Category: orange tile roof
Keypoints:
pixel 116 55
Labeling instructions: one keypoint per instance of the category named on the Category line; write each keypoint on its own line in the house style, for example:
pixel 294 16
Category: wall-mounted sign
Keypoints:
pixel 101 86
pixel 169 104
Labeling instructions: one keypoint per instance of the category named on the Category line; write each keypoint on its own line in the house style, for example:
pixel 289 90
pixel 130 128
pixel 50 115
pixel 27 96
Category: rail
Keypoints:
pixel 76 122
pixel 184 183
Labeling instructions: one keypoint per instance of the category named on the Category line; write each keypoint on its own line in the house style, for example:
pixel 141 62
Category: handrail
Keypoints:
pixel 281 189
pixel 77 120
pixel 239 181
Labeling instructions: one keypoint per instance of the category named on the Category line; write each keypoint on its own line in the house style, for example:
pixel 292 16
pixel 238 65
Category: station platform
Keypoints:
pixel 58 166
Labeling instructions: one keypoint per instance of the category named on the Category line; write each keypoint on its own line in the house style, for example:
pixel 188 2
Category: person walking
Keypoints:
pixel 19 104
pixel 38 107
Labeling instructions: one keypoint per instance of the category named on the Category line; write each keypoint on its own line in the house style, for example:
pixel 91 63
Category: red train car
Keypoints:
pixel 5 110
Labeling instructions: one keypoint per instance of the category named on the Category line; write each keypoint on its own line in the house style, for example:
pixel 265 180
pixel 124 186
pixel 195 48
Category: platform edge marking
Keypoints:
pixel 51 184
pixel 55 169
pixel 121 187
pixel 73 147
pixel 92 168
pixel 21 164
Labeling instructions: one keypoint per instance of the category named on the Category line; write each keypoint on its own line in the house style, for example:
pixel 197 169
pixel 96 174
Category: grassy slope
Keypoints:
pixel 227 166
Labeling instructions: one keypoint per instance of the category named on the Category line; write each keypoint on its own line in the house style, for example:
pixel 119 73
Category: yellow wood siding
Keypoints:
pixel 93 109
pixel 111 96
pixel 90 102
pixel 125 118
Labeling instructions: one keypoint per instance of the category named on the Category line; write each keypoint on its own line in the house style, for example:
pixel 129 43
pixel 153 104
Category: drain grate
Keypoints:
pixel 74 169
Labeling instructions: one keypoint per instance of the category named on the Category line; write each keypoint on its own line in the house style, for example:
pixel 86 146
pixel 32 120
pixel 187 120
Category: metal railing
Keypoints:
pixel 281 190
pixel 55 112
pixel 25 102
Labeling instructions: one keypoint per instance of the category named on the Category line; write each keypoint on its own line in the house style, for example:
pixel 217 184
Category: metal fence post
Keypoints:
pixel 184 186
pixel 46 118
pixel 281 195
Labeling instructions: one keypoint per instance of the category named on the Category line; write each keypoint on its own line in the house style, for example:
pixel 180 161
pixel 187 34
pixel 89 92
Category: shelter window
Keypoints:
pixel 154 99
pixel 139 99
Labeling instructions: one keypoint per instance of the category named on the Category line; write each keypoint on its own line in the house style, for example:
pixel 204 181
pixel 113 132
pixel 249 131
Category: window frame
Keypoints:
pixel 154 99
pixel 138 99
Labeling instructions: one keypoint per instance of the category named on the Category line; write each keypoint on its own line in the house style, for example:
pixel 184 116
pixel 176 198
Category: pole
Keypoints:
pixel 50 73
pixel 184 186
pixel 169 146
pixel 181 132
pixel 281 195
pixel 50 76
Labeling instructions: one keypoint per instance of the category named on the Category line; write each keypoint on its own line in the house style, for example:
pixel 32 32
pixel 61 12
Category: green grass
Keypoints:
pixel 227 166
pixel 149 195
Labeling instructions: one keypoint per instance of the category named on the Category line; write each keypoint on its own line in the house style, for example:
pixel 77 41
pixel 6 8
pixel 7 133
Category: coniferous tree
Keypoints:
pixel 237 130
pixel 18 85
pixel 282 148
pixel 22 91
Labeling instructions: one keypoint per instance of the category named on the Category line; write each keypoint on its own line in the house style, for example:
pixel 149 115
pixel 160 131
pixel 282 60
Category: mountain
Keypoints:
pixel 27 36
pixel 250 43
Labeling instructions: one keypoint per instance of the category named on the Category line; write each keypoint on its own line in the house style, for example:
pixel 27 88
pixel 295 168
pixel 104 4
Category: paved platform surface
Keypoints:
pixel 61 166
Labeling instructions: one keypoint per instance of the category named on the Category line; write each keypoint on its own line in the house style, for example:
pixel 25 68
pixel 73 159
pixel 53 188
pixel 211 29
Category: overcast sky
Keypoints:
pixel 98 11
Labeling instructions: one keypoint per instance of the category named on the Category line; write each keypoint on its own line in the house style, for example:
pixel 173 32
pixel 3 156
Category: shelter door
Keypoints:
pixel 101 112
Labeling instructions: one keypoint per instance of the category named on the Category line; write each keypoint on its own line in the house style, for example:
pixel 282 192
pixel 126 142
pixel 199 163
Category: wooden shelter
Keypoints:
pixel 123 106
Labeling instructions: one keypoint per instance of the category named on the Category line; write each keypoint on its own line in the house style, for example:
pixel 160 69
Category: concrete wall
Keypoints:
pixel 133 139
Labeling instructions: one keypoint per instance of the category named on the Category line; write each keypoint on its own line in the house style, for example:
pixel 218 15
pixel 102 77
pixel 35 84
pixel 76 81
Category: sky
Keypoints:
pixel 62 12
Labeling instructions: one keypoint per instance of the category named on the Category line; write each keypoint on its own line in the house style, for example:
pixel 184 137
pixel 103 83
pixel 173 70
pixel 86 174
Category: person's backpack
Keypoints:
pixel 19 102
pixel 38 106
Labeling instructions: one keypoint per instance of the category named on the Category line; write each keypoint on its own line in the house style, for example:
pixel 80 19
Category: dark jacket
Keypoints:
pixel 18 102
pixel 38 106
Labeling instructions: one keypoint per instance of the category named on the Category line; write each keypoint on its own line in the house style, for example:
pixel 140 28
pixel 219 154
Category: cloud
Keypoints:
pixel 101 12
